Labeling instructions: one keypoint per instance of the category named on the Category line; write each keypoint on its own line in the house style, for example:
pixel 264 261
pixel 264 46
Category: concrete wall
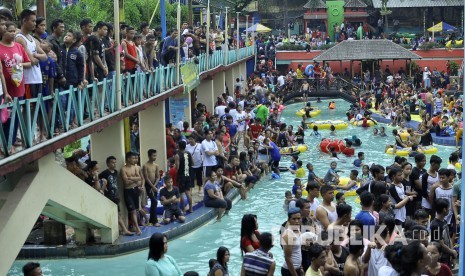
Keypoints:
pixel 152 133
pixel 68 200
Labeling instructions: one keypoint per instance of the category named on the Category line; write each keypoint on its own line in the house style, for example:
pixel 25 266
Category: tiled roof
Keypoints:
pixel 418 3
pixel 316 4
pixel 355 4
pixel 372 49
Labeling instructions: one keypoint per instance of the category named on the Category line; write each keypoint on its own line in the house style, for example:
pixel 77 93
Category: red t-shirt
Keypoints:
pixel 173 173
pixel 246 241
pixel 9 57
pixel 255 130
pixel 443 271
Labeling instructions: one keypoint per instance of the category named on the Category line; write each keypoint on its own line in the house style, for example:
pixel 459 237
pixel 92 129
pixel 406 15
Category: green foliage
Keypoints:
pixel 135 11
pixel 429 46
pixel 290 47
pixel 454 68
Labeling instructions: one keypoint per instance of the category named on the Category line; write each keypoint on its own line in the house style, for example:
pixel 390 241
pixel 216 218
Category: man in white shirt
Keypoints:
pixel 209 153
pixel 281 81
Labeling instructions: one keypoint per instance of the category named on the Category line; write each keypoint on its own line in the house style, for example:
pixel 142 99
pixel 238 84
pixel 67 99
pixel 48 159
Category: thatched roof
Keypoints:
pixel 418 3
pixel 315 4
pixel 355 4
pixel 372 49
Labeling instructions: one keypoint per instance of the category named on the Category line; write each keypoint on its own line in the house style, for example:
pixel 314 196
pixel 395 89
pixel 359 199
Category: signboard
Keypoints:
pixel 190 76
pixel 177 109
pixel 335 15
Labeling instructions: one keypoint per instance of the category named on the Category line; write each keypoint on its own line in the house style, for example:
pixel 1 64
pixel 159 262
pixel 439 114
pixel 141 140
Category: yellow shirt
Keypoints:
pixel 300 173
pixel 299 73
pixel 311 272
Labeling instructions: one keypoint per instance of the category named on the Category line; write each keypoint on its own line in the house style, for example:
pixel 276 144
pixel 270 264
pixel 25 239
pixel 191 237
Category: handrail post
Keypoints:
pixel 117 76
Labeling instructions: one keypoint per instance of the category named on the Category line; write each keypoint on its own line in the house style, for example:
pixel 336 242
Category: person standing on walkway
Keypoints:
pixel 183 162
pixel 132 182
pixel 150 171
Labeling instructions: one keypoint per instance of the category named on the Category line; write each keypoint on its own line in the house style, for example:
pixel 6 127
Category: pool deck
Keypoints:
pixel 445 141
pixel 126 244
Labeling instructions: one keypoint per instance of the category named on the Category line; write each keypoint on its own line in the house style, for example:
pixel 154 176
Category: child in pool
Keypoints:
pixel 365 177
pixel 375 132
pixel 351 185
pixel 332 130
pixel 331 176
pixel 340 199
pixel 382 132
pixel 315 132
pixel 287 200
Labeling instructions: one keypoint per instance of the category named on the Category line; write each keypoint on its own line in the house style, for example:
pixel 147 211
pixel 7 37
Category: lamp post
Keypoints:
pixel 207 52
pixel 246 27
pixel 226 39
pixel 117 57
pixel 178 54
pixel 237 31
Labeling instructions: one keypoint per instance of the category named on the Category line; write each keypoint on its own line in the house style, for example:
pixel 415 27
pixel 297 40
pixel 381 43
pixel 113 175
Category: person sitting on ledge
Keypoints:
pixel 169 197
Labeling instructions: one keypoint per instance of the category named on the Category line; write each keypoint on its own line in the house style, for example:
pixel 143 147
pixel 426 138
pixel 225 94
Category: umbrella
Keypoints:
pixel 442 27
pixel 258 28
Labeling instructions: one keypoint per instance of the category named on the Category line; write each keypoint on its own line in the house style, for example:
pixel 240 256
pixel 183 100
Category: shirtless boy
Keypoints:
pixel 132 181
pixel 353 266
pixel 150 171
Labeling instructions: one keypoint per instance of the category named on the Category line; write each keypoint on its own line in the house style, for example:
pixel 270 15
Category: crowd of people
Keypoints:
pixel 36 61
pixel 239 142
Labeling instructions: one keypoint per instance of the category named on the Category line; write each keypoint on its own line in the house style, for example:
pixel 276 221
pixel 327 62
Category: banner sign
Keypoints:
pixel 335 15
pixel 190 76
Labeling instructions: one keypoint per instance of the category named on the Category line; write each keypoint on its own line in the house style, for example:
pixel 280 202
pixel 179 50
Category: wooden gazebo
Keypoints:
pixel 366 50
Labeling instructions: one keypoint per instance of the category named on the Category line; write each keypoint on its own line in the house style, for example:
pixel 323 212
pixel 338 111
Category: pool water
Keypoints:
pixel 193 250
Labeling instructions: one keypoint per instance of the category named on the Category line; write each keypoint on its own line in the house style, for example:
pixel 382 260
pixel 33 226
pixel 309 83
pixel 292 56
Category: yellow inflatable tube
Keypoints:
pixel 301 148
pixel 406 151
pixel 313 113
pixel 342 182
pixel 359 123
pixel 338 124
pixel 458 166
pixel 404 135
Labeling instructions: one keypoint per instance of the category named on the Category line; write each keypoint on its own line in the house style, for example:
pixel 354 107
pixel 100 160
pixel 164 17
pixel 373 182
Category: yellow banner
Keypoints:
pixel 189 76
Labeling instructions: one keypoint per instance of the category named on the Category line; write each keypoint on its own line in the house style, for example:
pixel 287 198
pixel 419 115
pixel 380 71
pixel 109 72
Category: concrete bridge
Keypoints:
pixel 33 183
pixel 336 88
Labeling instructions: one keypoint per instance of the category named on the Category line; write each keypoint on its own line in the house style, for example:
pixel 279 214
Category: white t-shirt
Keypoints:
pixel 209 160
pixel 241 104
pixel 196 153
pixel 359 117
pixel 219 110
pixel 377 260
pixel 281 80
pixel 240 116
pixel 387 270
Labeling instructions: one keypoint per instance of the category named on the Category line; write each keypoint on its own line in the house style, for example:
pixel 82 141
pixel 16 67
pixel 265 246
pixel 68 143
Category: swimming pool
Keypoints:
pixel 193 250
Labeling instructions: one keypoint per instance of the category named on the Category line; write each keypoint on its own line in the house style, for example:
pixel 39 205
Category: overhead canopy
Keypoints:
pixel 372 49
pixel 258 28
pixel 442 27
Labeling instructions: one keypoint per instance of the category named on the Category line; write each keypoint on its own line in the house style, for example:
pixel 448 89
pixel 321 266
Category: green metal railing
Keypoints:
pixel 57 114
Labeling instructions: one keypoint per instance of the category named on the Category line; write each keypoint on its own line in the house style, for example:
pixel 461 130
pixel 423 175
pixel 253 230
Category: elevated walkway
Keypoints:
pixel 336 88
pixel 33 183
pixel 50 189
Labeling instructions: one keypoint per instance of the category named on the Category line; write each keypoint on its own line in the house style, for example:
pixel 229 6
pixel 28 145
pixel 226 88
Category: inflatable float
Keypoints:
pixel 343 182
pixel 313 113
pixel 404 135
pixel 338 145
pixel 406 151
pixel 370 122
pixel 288 151
pixel 338 124
pixel 458 166
pixel 299 148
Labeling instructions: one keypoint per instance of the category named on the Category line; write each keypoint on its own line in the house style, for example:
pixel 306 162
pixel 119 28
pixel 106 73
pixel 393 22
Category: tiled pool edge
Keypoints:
pixel 125 244
pixel 444 141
